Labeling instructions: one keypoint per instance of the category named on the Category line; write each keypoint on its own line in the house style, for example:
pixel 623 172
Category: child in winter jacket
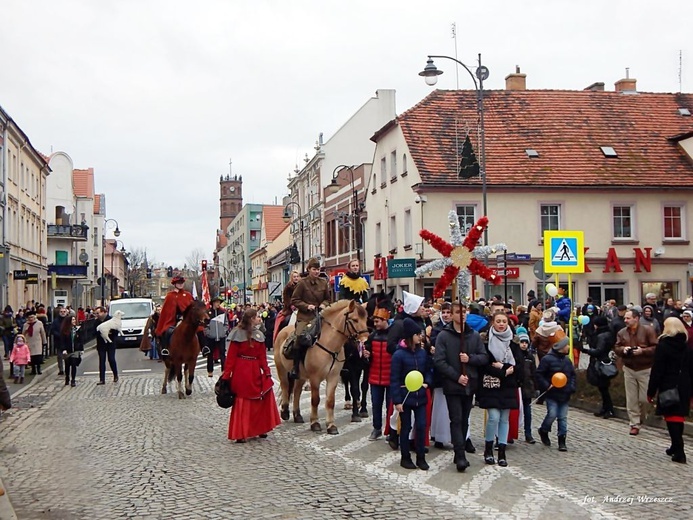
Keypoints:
pixel 20 357
pixel 408 357
pixel 556 361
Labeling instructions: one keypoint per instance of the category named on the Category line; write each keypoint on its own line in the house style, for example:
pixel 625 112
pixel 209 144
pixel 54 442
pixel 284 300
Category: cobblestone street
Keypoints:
pixel 125 451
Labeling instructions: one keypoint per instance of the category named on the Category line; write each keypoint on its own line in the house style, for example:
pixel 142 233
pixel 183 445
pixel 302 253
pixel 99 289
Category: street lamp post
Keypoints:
pixel 334 187
pixel 287 218
pixel 431 73
pixel 116 233
pixel 238 249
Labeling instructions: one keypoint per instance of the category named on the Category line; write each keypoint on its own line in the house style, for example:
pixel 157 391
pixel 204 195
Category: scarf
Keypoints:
pixel 498 345
pixel 30 330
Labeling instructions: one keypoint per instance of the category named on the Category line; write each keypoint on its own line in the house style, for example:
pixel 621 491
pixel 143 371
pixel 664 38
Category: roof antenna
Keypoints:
pixel 457 72
pixel 627 72
pixel 680 69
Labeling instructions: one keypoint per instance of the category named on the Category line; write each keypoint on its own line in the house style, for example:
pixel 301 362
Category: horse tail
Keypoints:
pixel 291 387
pixel 172 371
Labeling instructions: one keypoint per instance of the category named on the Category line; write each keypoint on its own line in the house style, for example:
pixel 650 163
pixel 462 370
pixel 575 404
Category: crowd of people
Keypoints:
pixel 498 355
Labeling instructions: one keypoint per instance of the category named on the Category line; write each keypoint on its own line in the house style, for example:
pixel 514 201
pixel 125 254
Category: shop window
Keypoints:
pixel 663 290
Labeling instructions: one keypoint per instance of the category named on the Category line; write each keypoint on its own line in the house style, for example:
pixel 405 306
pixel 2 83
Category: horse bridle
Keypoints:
pixel 349 332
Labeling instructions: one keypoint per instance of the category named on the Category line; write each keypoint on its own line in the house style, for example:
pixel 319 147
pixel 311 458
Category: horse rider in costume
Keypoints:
pixel 353 286
pixel 172 310
pixel 310 295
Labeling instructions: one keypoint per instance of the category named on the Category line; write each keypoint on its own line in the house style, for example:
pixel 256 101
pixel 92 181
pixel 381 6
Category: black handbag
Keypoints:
pixel 669 398
pixel 607 370
pixel 225 397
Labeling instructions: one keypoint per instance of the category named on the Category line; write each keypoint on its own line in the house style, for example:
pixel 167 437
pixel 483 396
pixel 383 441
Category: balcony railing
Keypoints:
pixel 68 271
pixel 71 232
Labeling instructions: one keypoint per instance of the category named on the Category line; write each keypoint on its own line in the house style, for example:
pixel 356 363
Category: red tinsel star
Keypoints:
pixel 459 257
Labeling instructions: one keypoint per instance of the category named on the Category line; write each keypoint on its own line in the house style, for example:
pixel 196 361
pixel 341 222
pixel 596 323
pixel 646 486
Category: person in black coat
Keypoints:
pixel 106 350
pixel 457 360
pixel 601 344
pixel 73 346
pixel 409 357
pixel 556 398
pixel 672 368
pixel 500 380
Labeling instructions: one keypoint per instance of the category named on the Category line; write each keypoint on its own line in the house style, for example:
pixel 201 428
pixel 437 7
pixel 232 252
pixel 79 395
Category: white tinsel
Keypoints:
pixel 481 252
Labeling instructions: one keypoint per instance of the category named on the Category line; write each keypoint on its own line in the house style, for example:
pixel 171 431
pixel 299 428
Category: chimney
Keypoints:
pixel 516 81
pixel 626 84
pixel 596 87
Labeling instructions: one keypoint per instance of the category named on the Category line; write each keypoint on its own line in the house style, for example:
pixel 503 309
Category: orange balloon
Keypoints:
pixel 559 380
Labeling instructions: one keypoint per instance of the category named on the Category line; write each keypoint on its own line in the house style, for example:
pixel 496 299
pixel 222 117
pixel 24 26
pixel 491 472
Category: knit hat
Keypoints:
pixel 688 312
pixel 560 344
pixel 522 334
pixel 411 328
pixel 412 302
pixel 381 313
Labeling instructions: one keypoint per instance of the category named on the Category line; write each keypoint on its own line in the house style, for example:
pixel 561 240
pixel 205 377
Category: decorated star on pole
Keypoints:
pixel 460 257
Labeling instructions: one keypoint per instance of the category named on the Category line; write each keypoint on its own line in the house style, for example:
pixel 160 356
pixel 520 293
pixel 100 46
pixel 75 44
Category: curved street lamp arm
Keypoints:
pixel 476 84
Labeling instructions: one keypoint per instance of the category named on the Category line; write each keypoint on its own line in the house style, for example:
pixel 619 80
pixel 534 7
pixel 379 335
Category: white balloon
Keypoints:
pixel 551 289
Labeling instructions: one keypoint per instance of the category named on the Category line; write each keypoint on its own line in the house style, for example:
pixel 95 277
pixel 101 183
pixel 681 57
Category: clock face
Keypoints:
pixel 232 189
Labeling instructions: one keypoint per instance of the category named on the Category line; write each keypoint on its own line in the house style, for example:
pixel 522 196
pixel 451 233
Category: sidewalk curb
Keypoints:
pixel 50 368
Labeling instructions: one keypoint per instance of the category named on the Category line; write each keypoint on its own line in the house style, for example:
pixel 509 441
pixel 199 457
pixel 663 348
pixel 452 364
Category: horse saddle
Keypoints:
pixel 290 350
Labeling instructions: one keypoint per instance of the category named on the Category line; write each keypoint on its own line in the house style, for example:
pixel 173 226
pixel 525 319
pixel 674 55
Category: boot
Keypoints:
pixel 561 443
pixel 544 435
pixel 16 382
pixel 21 380
pixel 502 461
pixel 67 381
pixel 406 462
pixel 488 453
pixel 608 414
pixel 469 447
pixel 421 462
pixel 600 413
pixel 461 462
pixel 677 443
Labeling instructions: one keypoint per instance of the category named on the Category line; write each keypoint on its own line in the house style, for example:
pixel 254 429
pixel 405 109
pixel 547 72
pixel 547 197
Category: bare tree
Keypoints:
pixel 138 282
pixel 194 260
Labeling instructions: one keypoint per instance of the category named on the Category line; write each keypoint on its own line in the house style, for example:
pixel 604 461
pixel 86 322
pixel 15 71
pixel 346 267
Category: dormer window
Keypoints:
pixel 684 112
pixel 531 153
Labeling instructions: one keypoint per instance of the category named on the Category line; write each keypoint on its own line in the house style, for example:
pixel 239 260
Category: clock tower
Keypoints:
pixel 230 203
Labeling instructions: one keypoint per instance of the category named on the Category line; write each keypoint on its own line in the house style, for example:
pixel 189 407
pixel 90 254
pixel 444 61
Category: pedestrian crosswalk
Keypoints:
pixel 521 494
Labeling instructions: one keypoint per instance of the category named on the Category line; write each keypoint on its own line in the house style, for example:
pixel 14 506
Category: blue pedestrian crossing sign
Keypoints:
pixel 564 252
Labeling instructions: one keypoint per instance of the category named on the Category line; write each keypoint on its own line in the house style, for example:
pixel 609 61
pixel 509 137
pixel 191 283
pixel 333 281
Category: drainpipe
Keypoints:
pixel 4 293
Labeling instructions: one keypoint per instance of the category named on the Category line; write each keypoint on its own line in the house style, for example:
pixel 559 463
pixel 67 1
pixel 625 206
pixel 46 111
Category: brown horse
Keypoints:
pixel 184 349
pixel 340 322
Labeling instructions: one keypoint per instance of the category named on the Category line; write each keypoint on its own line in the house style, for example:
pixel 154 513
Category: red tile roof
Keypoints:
pixel 273 222
pixel 83 182
pixel 566 128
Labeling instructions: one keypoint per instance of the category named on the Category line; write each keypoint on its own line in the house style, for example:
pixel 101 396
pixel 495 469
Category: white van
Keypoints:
pixel 136 312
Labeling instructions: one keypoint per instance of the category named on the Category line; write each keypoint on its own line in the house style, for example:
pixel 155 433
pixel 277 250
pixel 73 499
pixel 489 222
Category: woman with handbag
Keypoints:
pixel 500 380
pixel 601 369
pixel 670 382
pixel 71 340
pixel 255 410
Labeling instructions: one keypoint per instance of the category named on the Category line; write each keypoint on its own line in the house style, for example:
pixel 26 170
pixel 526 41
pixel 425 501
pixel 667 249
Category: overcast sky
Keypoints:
pixel 158 96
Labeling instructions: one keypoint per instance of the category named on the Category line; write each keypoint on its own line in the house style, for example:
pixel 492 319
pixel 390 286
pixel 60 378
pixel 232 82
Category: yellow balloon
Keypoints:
pixel 414 380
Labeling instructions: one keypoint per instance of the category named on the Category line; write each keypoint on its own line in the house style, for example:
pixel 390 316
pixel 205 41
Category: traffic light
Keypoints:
pixel 169 272
pixel 295 258
pixel 149 272
pixel 228 294
pixel 204 265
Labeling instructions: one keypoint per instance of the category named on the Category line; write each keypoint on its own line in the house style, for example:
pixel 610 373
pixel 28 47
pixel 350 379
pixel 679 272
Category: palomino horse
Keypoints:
pixel 340 322
pixel 184 348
